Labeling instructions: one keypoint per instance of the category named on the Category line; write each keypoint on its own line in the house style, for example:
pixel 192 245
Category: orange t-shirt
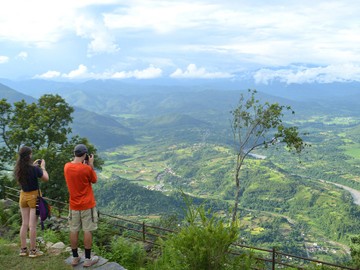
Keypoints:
pixel 79 178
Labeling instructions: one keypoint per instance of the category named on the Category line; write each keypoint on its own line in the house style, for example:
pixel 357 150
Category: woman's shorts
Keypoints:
pixel 28 199
pixel 83 219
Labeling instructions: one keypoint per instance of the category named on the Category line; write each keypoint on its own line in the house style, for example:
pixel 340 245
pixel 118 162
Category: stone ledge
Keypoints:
pixel 102 264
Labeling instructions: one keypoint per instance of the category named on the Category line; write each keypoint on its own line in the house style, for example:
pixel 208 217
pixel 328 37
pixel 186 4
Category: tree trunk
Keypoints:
pixel 237 196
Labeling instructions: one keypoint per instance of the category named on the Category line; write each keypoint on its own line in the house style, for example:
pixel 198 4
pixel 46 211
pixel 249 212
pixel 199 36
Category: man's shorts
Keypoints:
pixel 28 199
pixel 83 219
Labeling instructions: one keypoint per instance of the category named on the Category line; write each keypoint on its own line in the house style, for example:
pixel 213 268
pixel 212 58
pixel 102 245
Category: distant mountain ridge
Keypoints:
pixel 294 91
pixel 143 106
pixel 103 131
pixel 12 96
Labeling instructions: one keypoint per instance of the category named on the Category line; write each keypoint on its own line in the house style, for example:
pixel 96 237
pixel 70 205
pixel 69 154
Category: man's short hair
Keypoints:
pixel 80 150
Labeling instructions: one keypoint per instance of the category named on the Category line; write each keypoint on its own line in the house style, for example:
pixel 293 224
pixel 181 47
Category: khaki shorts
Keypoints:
pixel 28 199
pixel 83 219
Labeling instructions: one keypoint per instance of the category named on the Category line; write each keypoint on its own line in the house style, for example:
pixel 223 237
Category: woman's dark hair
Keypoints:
pixel 23 165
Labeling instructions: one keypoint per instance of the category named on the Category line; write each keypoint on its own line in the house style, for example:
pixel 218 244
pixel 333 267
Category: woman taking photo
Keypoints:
pixel 27 174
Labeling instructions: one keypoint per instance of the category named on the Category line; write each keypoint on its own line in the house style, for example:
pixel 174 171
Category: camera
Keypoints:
pixel 38 162
pixel 87 157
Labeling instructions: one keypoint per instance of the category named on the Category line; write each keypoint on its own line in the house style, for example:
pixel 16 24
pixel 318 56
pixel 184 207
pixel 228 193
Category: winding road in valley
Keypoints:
pixel 354 193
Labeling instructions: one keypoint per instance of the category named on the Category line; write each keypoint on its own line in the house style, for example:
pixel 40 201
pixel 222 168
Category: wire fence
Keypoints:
pixel 140 231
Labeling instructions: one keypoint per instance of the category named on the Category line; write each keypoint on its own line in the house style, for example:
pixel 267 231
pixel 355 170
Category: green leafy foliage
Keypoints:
pixel 54 236
pixel 120 196
pixel 253 125
pixel 45 127
pixel 202 243
pixel 127 253
pixel 10 220
pixel 355 250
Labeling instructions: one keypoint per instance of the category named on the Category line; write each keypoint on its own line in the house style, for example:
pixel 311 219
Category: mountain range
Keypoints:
pixel 108 112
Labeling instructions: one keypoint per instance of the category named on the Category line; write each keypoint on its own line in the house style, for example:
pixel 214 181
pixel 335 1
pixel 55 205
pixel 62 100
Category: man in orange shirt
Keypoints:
pixel 80 175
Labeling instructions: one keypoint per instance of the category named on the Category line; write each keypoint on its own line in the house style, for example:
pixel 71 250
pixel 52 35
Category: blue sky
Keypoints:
pixel 289 41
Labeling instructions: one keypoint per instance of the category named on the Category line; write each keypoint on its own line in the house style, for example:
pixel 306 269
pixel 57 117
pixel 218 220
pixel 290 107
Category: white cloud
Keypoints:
pixel 219 35
pixel 193 72
pixel 38 22
pixel 148 73
pixel 102 43
pixel 101 40
pixel 301 74
pixel 22 55
pixel 43 23
pixel 3 59
pixel 51 74
pixel 80 72
pixel 160 16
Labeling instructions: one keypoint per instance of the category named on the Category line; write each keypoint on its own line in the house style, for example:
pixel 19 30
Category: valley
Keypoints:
pixel 276 204
pixel 159 142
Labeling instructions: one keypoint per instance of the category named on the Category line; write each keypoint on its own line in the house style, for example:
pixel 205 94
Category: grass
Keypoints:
pixel 10 259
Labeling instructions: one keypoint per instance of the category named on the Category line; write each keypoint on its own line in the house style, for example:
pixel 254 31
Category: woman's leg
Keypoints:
pixel 32 226
pixel 25 213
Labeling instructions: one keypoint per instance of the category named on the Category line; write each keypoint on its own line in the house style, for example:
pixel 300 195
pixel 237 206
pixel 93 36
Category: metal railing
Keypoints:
pixel 150 234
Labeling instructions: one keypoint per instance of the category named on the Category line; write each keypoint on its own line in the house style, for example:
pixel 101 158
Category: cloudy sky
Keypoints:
pixel 284 40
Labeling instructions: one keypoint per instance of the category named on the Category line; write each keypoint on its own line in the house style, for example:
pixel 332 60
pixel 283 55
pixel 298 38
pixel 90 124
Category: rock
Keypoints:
pixel 101 264
pixel 58 245
pixel 111 266
pixel 7 203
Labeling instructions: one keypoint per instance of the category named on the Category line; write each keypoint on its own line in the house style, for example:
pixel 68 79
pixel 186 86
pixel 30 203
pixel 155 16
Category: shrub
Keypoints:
pixel 10 221
pixel 129 254
pixel 203 243
pixel 355 250
pixel 53 236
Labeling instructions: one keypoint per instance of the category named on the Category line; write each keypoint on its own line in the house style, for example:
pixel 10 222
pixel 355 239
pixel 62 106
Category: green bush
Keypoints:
pixel 10 221
pixel 355 250
pixel 130 255
pixel 203 243
pixel 54 236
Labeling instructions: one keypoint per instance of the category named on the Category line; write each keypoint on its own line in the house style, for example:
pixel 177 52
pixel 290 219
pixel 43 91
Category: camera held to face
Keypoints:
pixel 38 162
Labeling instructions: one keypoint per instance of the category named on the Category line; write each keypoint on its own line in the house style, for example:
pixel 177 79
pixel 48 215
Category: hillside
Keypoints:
pixel 139 200
pixel 12 96
pixel 102 130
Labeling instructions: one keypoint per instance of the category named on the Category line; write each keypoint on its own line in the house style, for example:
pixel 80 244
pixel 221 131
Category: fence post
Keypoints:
pixel 273 258
pixel 143 231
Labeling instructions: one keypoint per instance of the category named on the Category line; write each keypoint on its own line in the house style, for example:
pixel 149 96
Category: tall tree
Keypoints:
pixel 255 124
pixel 44 126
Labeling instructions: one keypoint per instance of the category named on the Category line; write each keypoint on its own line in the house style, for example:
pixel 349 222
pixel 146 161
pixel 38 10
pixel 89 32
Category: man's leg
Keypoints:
pixel 74 238
pixel 75 225
pixel 87 244
pixel 89 224
pixel 87 240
